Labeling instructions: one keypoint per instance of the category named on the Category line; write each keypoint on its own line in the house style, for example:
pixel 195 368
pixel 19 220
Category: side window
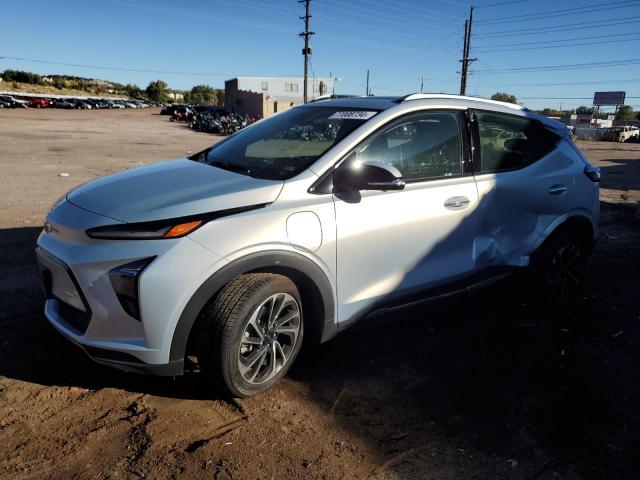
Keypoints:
pixel 508 142
pixel 422 146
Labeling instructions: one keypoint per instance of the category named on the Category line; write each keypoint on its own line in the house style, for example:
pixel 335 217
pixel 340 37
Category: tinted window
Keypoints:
pixel 422 146
pixel 285 144
pixel 508 142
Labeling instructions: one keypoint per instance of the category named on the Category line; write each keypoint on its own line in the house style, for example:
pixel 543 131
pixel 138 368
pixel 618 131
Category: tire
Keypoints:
pixel 559 270
pixel 240 347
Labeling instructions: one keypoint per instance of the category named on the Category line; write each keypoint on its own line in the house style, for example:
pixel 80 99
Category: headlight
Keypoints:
pixel 145 230
pixel 162 229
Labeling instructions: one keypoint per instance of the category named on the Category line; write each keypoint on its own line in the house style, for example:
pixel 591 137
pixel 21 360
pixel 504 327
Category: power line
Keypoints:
pixel 558 28
pixel 466 5
pixel 122 69
pixel 367 14
pixel 424 13
pixel 499 4
pixel 391 31
pixel 394 21
pixel 596 7
pixel 561 40
pixel 561 98
pixel 559 84
pixel 574 66
pixel 198 15
pixel 519 49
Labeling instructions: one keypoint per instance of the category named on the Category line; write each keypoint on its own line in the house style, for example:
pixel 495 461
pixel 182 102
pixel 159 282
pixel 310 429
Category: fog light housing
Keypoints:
pixel 124 280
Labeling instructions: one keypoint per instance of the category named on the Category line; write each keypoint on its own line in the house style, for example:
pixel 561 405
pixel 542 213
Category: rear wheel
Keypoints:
pixel 251 333
pixel 560 269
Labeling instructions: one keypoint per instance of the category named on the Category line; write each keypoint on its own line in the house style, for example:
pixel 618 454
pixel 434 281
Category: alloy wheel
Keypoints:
pixel 269 338
pixel 565 272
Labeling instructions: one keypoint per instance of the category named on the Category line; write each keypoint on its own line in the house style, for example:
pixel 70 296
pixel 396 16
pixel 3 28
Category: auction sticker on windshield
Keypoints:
pixel 352 115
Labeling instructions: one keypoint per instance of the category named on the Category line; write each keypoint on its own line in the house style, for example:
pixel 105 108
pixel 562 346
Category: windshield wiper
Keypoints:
pixel 231 167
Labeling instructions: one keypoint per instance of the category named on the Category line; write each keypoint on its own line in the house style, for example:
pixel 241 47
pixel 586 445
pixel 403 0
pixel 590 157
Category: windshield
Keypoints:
pixel 286 144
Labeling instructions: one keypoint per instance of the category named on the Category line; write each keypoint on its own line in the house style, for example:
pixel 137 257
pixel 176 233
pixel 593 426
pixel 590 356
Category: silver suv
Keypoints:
pixel 309 221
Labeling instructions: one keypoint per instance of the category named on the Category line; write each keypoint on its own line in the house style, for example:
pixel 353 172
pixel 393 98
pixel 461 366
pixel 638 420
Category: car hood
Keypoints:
pixel 172 189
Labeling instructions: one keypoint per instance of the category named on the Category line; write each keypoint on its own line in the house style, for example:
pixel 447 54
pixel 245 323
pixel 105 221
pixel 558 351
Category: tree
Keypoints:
pixel 625 113
pixel 133 91
pixel 202 95
pixel 21 77
pixel 60 83
pixel 504 97
pixel 220 97
pixel 158 91
pixel 582 110
pixel 551 112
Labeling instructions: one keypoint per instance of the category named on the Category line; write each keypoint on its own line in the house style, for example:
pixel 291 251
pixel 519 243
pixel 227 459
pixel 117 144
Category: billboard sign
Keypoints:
pixel 609 98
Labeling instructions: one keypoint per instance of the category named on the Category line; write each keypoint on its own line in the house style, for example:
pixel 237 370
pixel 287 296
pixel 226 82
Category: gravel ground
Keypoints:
pixel 488 387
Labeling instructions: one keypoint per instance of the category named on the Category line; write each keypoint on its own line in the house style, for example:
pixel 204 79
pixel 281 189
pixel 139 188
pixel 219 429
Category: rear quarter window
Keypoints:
pixel 508 142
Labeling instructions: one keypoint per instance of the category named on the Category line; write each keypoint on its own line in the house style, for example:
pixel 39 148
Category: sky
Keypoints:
pixel 534 49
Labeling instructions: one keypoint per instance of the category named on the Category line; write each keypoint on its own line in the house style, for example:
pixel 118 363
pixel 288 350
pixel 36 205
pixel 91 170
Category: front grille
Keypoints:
pixel 61 285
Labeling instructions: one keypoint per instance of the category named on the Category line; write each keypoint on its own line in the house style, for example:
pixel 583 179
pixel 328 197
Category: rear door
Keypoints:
pixel 524 175
pixel 392 246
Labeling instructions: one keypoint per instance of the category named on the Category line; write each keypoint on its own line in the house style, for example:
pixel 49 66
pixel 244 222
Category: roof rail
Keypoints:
pixel 330 97
pixel 425 96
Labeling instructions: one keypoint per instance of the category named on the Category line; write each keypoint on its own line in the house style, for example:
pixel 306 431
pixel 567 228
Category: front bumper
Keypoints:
pixel 84 307
pixel 119 358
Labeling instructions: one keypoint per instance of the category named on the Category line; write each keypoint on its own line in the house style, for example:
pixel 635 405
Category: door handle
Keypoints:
pixel 457 203
pixel 557 189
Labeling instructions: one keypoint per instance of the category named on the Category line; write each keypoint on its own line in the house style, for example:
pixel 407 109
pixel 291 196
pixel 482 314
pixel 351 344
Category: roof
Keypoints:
pixel 383 103
pixel 437 100
pixel 310 79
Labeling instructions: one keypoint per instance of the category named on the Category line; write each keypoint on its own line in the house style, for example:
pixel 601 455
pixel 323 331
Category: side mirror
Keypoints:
pixel 367 176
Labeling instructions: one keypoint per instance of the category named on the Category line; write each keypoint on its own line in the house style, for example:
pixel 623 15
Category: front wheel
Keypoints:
pixel 251 333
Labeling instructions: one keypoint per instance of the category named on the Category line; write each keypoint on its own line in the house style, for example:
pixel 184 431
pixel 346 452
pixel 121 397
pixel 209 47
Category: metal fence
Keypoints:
pixel 589 132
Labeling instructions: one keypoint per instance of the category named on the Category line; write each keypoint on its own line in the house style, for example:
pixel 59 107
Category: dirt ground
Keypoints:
pixel 486 387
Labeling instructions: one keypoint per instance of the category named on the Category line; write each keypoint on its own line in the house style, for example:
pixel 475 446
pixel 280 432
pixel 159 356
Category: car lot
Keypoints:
pixel 14 100
pixel 504 390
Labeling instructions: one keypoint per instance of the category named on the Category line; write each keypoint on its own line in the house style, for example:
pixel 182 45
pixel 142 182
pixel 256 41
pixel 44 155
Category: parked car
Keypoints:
pixel 171 109
pixel 621 134
pixel 12 102
pixel 36 102
pixel 64 103
pixel 302 224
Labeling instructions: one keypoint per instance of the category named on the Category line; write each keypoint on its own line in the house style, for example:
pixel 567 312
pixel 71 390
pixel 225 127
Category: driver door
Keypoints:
pixel 394 246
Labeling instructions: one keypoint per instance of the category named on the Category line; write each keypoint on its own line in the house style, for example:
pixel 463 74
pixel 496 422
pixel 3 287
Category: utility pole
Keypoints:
pixel 465 53
pixel 463 72
pixel 421 83
pixel 367 90
pixel 306 51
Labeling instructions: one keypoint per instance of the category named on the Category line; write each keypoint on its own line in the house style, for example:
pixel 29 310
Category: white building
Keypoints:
pixel 263 96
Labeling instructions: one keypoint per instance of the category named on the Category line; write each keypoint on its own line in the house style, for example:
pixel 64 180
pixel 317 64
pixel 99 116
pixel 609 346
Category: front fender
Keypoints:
pixel 276 259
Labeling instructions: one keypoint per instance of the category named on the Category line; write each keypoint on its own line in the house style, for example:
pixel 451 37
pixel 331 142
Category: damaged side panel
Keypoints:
pixel 545 191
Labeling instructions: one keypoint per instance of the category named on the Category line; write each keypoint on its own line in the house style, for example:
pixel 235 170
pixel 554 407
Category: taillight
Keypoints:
pixel 592 173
